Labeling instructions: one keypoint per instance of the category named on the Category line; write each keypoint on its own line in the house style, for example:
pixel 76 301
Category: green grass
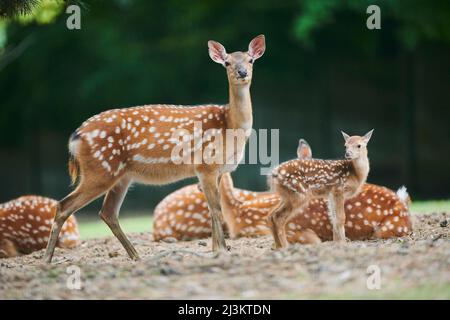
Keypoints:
pixel 93 227
pixel 430 291
pixel 430 206
pixel 418 293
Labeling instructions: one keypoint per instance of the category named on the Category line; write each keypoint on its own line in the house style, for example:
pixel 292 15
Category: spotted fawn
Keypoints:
pixel 301 180
pixel 115 148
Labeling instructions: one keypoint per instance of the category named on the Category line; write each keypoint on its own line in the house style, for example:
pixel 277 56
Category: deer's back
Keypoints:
pixel 133 139
pixel 313 174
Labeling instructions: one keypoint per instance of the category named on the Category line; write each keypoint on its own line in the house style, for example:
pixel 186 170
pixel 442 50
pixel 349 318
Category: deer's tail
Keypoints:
pixel 74 165
pixel 404 197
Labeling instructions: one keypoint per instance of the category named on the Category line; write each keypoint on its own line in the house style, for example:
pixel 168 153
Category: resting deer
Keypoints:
pixel 117 147
pixel 25 226
pixel 183 214
pixel 300 181
pixel 376 212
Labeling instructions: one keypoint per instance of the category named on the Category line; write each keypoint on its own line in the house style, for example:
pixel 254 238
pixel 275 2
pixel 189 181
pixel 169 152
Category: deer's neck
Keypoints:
pixel 361 165
pixel 239 114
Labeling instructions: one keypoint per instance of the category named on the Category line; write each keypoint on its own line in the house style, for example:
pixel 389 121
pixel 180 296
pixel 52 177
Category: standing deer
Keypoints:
pixel 25 226
pixel 302 180
pixel 376 212
pixel 117 147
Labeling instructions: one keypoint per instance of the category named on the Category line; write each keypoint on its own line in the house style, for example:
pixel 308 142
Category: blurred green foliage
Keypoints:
pixel 39 11
pixel 321 65
pixel 124 45
pixel 416 20
pixel 46 12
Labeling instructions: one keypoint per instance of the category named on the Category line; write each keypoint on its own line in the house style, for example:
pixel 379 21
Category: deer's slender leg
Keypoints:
pixel 331 210
pixel 337 204
pixel 110 214
pixel 209 185
pixel 278 219
pixel 85 193
pixel 273 223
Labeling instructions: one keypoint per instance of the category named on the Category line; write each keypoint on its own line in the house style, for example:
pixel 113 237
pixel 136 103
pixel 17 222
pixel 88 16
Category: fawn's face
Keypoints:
pixel 239 65
pixel 356 146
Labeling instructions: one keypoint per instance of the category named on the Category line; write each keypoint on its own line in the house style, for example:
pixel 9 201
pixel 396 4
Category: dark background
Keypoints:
pixel 323 71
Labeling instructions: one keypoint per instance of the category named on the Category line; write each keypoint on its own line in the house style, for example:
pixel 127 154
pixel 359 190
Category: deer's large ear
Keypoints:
pixel 304 150
pixel 367 136
pixel 217 52
pixel 257 47
pixel 346 136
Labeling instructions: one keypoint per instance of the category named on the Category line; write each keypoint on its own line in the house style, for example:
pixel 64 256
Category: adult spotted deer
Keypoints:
pixel 376 212
pixel 25 226
pixel 117 147
pixel 300 181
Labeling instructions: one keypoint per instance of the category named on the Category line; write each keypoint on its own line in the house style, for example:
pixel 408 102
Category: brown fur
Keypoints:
pixel 122 146
pixel 74 170
pixel 300 181
pixel 25 226
pixel 374 213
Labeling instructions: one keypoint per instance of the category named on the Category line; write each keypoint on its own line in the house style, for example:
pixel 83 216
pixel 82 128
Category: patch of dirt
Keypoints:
pixel 252 270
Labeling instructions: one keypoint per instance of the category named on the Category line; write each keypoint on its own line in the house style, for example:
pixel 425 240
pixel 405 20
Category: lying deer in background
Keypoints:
pixel 117 147
pixel 184 215
pixel 376 212
pixel 301 180
pixel 25 226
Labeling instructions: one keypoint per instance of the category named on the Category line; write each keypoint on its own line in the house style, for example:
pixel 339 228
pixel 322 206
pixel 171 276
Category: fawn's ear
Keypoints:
pixel 217 52
pixel 346 136
pixel 367 136
pixel 304 150
pixel 257 47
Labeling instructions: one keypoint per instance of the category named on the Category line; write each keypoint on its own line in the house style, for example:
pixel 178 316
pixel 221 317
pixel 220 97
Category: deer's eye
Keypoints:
pixel 227 63
pixel 359 146
pixel 251 61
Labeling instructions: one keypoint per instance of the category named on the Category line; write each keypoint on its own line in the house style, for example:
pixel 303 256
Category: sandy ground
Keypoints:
pixel 414 267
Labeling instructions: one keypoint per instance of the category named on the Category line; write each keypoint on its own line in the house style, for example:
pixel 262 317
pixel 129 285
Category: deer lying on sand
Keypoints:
pixel 184 215
pixel 301 180
pixel 25 226
pixel 376 212
pixel 118 147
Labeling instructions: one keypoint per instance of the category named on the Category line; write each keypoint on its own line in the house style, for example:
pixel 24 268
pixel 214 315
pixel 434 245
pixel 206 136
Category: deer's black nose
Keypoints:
pixel 242 73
